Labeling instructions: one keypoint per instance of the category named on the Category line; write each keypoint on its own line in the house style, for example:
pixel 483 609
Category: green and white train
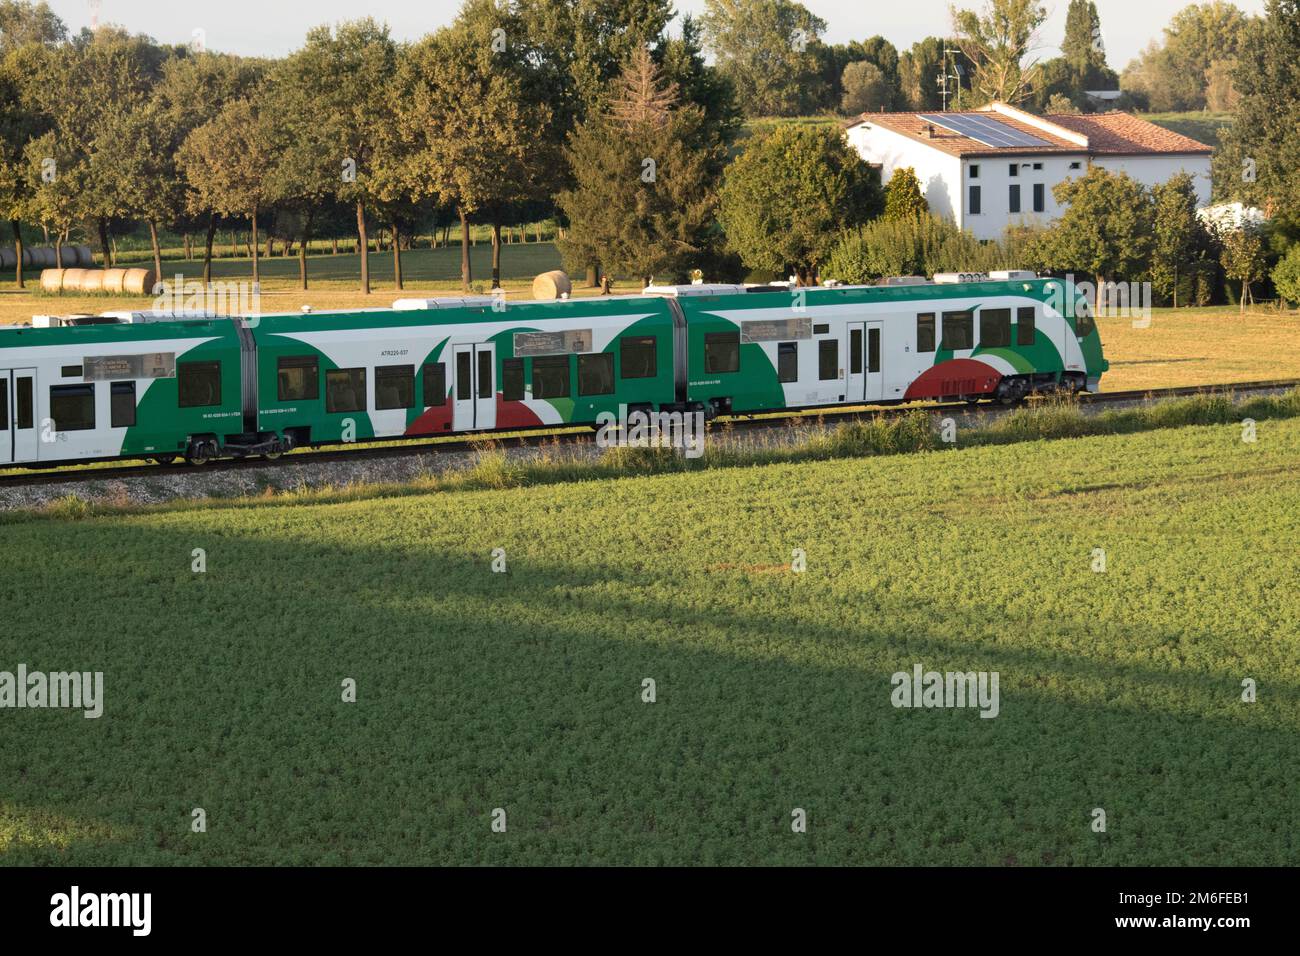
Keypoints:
pixel 151 385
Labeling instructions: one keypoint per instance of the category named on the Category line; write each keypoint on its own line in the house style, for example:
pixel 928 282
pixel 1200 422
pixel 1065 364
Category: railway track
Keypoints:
pixel 416 447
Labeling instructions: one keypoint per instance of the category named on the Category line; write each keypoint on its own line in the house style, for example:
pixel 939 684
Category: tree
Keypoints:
pixel 1243 260
pixel 834 59
pixel 788 195
pixel 998 41
pixel 645 198
pixel 1083 48
pixel 903 199
pixel 866 89
pixel 919 70
pixel 23 23
pixel 1259 158
pixel 765 48
pixel 1173 74
pixel 1176 234
pixel 349 72
pixel 1106 230
pixel 472 131
pixel 226 163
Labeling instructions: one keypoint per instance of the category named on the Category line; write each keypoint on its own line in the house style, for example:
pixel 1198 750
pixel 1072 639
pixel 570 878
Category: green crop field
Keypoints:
pixel 523 690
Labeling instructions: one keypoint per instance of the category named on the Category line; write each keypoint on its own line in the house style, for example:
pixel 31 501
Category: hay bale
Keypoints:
pixel 27 258
pixel 52 280
pixel 551 285
pixel 85 258
pixel 139 282
pixel 72 279
pixel 43 258
pixel 113 279
pixel 93 281
pixel 7 259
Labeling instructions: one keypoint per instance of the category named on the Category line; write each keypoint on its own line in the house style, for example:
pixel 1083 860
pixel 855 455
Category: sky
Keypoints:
pixel 275 27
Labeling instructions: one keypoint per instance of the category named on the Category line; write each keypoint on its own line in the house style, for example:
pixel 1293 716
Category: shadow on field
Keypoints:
pixel 523 691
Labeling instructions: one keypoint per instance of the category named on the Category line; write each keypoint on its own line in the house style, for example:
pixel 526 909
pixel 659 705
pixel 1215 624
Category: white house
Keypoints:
pixel 991 168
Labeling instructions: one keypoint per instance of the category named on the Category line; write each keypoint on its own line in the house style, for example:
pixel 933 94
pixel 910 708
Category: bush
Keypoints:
pixel 1286 277
pixel 923 245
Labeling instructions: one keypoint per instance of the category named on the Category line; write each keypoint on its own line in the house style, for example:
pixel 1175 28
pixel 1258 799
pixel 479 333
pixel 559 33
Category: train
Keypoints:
pixel 163 386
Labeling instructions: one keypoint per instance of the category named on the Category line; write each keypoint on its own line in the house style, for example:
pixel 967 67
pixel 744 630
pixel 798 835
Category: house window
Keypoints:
pixel 975 171
pixel 1076 165
pixel 1040 197
pixel 1038 167
pixel 1013 203
pixel 974 200
pixel 1014 169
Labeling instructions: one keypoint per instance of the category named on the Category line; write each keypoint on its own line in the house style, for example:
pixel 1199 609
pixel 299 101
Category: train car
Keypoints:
pixel 117 389
pixel 972 338
pixel 450 366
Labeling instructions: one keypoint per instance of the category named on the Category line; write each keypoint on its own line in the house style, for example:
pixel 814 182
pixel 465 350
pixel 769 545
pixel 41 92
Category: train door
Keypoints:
pixel 873 373
pixel 866 377
pixel 475 388
pixel 18 436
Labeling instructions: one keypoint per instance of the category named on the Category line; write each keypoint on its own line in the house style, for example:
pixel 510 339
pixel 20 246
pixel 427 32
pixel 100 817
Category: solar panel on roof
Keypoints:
pixel 984 130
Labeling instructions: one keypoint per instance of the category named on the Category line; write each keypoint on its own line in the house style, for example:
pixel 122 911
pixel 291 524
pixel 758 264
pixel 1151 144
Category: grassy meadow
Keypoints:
pixel 523 690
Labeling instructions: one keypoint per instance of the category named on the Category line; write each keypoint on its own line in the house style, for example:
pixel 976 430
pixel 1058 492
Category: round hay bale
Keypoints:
pixel 551 285
pixel 85 258
pixel 72 279
pixel 43 258
pixel 27 258
pixel 113 279
pixel 139 282
pixel 52 280
pixel 93 281
pixel 7 259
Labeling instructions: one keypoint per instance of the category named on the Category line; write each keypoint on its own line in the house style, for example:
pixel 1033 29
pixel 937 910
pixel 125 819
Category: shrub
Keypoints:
pixel 1286 277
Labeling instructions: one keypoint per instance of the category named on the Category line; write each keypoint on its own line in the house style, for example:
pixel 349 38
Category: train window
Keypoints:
pixel 828 359
pixel 23 413
pixel 4 406
pixel 512 380
pixel 1025 319
pixel 485 370
pixel 297 378
pixel 873 350
pixel 198 384
pixel 435 385
pixel 70 371
pixel 995 328
pixel 823 328
pixel 551 376
pixel 596 373
pixel 639 356
pixel 958 331
pixel 345 390
pixel 394 386
pixel 122 404
pixel 721 352
pixel 855 351
pixel 464 374
pixel 72 407
pixel 925 332
pixel 787 362
pixel 1084 325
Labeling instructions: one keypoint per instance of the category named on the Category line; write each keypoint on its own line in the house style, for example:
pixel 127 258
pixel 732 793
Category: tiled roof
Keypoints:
pixel 913 126
pixel 1119 133
pixel 1114 133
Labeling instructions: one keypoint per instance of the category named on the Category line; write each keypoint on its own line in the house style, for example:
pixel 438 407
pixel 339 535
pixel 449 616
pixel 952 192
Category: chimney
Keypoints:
pixel 928 132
